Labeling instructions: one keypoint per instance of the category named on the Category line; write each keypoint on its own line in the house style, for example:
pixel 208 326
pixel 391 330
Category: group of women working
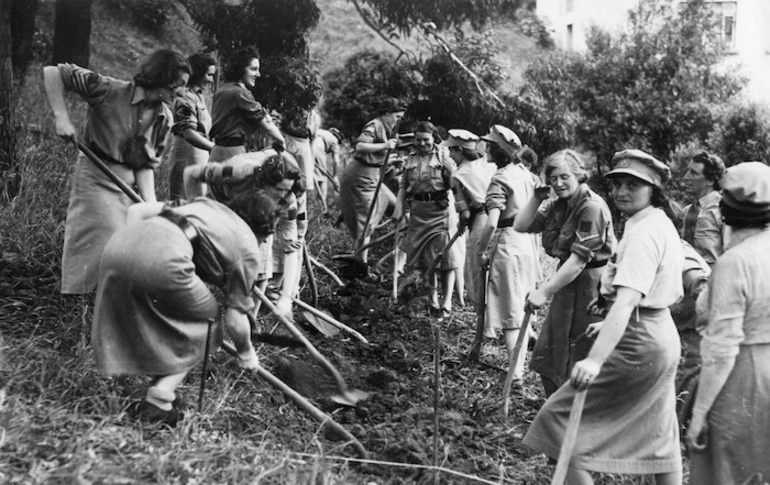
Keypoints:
pixel 608 331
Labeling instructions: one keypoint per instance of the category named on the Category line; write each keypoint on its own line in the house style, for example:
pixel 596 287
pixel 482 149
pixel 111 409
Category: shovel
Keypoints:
pixel 346 396
pixel 417 283
pixel 109 173
pixel 513 359
pixel 353 265
pixel 475 351
pixel 570 435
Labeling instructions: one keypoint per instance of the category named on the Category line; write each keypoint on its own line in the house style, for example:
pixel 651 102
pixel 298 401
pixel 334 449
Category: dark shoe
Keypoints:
pixel 149 413
pixel 445 314
pixel 434 310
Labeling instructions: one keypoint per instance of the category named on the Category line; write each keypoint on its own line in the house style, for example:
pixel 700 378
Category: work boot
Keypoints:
pixel 151 414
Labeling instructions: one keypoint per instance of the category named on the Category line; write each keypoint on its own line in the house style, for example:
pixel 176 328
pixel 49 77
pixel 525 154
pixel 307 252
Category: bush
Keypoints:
pixel 742 134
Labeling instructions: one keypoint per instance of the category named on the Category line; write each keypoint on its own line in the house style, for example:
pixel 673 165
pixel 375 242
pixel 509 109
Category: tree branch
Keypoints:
pixel 371 25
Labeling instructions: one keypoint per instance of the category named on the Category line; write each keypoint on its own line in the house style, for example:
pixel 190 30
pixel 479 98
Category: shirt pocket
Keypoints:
pixel 436 174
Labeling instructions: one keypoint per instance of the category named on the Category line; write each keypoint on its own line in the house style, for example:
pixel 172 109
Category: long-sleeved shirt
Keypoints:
pixel 706 236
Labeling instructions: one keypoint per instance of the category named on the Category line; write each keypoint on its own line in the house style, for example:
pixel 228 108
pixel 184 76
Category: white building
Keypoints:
pixel 745 28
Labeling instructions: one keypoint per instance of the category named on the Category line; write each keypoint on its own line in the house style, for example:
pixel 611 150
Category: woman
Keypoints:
pixel 629 422
pixel 469 185
pixel 127 125
pixel 577 230
pixel 235 114
pixel 153 306
pixel 358 181
pixel 190 144
pixel 426 181
pixel 513 262
pixel 729 434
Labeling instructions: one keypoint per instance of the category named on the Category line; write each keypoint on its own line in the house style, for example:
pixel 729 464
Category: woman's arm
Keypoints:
pixel 586 370
pixel 362 147
pixel 193 184
pixel 196 139
pixel 145 183
pixel 143 210
pixel 398 212
pixel 54 89
pixel 272 130
pixel 526 215
pixel 238 327
pixel 565 275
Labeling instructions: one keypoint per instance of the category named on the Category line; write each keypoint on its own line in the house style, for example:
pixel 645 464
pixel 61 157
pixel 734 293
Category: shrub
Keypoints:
pixel 742 134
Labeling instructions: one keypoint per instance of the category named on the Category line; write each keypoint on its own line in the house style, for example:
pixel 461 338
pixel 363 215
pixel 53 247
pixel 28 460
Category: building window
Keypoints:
pixel 725 15
pixel 570 6
pixel 569 37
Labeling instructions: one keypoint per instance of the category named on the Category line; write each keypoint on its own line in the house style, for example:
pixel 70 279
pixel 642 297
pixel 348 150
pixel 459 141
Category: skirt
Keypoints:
pixel 152 309
pixel 357 186
pixel 562 340
pixel 429 230
pixel 513 270
pixel 629 422
pixel 97 209
pixel 738 441
pixel 474 285
pixel 180 156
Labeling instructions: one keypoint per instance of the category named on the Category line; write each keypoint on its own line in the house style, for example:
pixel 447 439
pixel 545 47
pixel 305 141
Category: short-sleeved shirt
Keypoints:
pixel 471 180
pixel 581 224
pixel 373 132
pixel 649 260
pixel 427 173
pixel 510 189
pixel 234 112
pixel 118 112
pixel 191 113
pixel 707 237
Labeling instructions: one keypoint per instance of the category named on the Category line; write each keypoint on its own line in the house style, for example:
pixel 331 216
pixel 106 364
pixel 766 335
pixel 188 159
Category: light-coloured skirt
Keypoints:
pixel 97 209
pixel 738 424
pixel 474 285
pixel 629 422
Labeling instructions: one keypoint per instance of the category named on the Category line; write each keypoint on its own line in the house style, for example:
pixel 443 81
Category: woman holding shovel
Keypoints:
pixel 513 261
pixel 577 229
pixel 127 126
pixel 469 185
pixel 426 181
pixel 629 422
pixel 153 305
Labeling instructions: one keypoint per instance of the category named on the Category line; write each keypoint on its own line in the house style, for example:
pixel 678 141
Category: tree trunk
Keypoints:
pixel 22 32
pixel 9 173
pixel 72 33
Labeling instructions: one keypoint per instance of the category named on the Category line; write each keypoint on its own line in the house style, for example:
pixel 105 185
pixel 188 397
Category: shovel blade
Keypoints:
pixel 350 397
pixel 351 266
pixel 320 324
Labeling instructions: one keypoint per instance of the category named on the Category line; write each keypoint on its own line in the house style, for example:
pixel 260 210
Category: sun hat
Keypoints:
pixel 746 187
pixel 461 138
pixel 641 165
pixel 503 137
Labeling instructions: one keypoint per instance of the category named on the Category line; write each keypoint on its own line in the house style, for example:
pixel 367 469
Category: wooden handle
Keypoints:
pixel 514 357
pixel 109 173
pixel 570 436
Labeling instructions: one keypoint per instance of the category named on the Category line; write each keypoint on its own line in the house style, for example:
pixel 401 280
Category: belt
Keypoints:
pixel 475 210
pixel 596 264
pixel 181 221
pixel 437 195
pixel 367 163
pixel 230 141
pixel 505 222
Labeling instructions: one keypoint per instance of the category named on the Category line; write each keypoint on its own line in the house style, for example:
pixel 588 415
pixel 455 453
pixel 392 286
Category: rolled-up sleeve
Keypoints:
pixel 240 281
pixel 497 195
pixel 253 112
pixel 590 232
pixel 184 115
pixel 724 333
pixel 92 87
pixel 708 234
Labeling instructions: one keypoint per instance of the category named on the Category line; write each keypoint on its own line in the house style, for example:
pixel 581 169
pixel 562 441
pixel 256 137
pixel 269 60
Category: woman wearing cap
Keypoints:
pixel 513 262
pixel 235 113
pixel 577 229
pixel 426 181
pixel 469 185
pixel 128 122
pixel 729 434
pixel 190 144
pixel 153 306
pixel 629 422
pixel 358 181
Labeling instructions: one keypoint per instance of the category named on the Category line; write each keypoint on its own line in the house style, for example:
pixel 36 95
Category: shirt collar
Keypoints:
pixel 703 201
pixel 640 216
pixel 139 95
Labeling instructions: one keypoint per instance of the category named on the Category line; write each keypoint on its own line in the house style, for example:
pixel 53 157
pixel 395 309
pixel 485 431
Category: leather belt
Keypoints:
pixel 374 165
pixel 596 264
pixel 230 141
pixel 430 196
pixel 181 221
pixel 505 222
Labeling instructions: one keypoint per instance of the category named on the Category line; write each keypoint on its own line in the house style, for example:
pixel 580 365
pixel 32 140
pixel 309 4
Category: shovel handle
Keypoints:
pixel 108 172
pixel 512 361
pixel 303 403
pixel 326 270
pixel 570 436
pixel 340 382
pixel 440 255
pixel 474 353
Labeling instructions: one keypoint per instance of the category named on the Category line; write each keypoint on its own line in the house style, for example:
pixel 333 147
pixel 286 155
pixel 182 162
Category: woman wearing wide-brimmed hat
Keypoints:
pixel 577 230
pixel 514 264
pixel 629 422
pixel 729 434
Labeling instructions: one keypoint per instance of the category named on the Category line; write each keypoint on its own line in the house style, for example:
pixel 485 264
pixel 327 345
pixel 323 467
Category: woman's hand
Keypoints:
pixel 536 298
pixel 584 372
pixel 594 329
pixel 543 192
pixel 596 307
pixel 284 307
pixel 696 432
pixel 65 129
pixel 391 144
pixel 484 259
pixel 398 213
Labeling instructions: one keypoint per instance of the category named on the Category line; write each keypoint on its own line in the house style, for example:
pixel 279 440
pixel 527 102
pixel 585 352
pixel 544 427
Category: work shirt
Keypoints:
pixel 581 224
pixel 424 174
pixel 706 235
pixel 191 113
pixel 510 189
pixel 234 112
pixel 738 297
pixel 118 112
pixel 471 180
pixel 373 132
